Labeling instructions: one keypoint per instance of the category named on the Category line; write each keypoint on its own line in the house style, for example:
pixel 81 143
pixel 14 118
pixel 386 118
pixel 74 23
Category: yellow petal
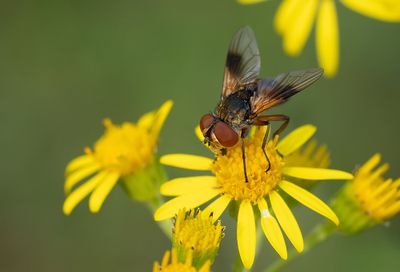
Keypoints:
pixel 249 2
pixel 217 207
pixel 78 162
pixel 170 208
pixel 160 117
pixel 78 175
pixel 392 210
pixel 287 221
pixel 165 259
pixel 295 139
pixel 189 258
pixel 327 38
pixel 81 192
pixel 205 267
pixel 300 26
pixel 385 199
pixel 246 234
pixel 285 15
pixel 371 163
pixel 309 200
pixel 187 161
pixel 156 267
pixel 180 186
pixel 98 196
pixel 382 190
pixel 272 230
pixel 199 134
pixel 380 171
pixel 385 10
pixel 316 173
pixel 146 121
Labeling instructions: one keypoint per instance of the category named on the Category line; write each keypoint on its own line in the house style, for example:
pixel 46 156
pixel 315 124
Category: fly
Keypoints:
pixel 244 97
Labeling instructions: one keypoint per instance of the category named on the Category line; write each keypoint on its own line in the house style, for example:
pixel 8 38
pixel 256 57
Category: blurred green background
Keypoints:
pixel 65 65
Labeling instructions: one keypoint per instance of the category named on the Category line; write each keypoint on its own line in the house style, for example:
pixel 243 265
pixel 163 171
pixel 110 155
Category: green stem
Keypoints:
pixel 318 235
pixel 144 185
pixel 166 225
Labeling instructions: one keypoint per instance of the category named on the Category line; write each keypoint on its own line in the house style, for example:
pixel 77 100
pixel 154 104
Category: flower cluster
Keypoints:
pixel 121 154
pixel 195 242
pixel 262 194
pixel 368 199
pixel 261 189
pixel 197 233
pixel 127 154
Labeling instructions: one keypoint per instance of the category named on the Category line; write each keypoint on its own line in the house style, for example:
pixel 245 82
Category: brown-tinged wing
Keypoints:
pixel 275 91
pixel 243 62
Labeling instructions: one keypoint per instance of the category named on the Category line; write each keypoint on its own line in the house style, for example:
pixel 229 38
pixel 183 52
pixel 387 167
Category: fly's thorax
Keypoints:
pixel 234 110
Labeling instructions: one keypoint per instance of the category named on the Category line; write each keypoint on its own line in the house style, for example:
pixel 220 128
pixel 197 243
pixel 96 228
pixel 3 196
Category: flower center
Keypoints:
pixel 198 233
pixel 124 148
pixel 230 173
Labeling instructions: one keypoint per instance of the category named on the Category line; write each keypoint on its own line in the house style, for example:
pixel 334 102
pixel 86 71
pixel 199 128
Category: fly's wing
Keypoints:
pixel 275 91
pixel 242 65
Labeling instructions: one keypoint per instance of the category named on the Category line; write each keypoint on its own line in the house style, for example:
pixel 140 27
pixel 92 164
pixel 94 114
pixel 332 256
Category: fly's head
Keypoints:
pixel 218 135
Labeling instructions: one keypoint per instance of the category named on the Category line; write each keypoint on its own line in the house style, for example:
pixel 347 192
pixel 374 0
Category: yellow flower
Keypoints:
pixel 295 19
pixel 198 234
pixel 369 198
pixel 176 266
pixel 262 192
pixel 122 151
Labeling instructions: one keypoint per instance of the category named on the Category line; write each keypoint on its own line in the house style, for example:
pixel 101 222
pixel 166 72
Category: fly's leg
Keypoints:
pixel 264 120
pixel 244 160
pixel 264 143
pixel 284 125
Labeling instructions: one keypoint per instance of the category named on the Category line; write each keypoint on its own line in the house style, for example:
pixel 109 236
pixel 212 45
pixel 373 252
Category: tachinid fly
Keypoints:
pixel 244 96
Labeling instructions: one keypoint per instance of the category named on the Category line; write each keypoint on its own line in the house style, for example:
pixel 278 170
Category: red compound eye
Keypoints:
pixel 225 134
pixel 206 121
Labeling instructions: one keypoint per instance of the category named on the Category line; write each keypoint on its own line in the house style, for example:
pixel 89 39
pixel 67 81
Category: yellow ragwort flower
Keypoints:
pixel 369 198
pixel 196 234
pixel 263 189
pixel 121 151
pixel 176 266
pixel 295 19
